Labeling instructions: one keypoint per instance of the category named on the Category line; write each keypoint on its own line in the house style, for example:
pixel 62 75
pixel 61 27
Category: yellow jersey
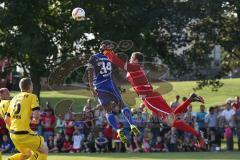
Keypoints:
pixel 20 111
pixel 4 104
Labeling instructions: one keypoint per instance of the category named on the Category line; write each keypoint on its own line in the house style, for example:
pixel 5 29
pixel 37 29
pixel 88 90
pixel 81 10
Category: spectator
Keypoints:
pixel 99 113
pixel 147 142
pixel 88 118
pixel 212 139
pixel 52 145
pixel 236 104
pixel 6 146
pixel 140 123
pixel 117 144
pixel 48 124
pixel 211 119
pixel 67 145
pixel 108 133
pixel 144 110
pixel 78 138
pixel 172 140
pixel 3 129
pixel 228 115
pixel 101 143
pixel 69 127
pixel 134 145
pixel 58 142
pixel 159 145
pixel 89 143
pixel 200 119
pixel 238 126
pixel 175 103
pixel 190 116
pixel 59 128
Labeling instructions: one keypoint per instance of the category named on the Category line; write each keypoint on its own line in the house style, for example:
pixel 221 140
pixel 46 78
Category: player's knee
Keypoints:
pixel 43 149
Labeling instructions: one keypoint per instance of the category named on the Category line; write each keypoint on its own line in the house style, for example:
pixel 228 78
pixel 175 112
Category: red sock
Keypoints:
pixel 185 127
pixel 182 107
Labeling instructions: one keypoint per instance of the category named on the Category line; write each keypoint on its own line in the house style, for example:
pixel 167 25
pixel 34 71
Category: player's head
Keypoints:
pixel 106 45
pixel 137 57
pixel 4 94
pixel 26 85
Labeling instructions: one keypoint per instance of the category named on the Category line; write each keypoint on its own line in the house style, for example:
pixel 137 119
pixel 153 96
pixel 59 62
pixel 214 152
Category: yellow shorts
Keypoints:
pixel 0 156
pixel 26 142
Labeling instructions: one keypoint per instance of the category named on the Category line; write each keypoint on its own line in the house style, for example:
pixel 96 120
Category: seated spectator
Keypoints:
pixel 172 140
pixel 159 145
pixel 48 124
pixel 146 143
pixel 89 143
pixel 58 141
pixel 52 145
pixel 67 145
pixel 101 143
pixel 78 138
pixel 108 133
pixel 6 146
pixel 117 144
pixel 133 145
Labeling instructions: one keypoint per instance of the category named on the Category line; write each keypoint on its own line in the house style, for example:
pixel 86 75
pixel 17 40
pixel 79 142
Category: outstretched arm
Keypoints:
pixel 120 63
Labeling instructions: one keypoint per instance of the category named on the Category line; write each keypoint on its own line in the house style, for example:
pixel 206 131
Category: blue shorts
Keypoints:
pixel 107 93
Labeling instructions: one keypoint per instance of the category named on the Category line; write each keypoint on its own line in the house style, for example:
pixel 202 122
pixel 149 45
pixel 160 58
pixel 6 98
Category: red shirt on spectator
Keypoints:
pixel 107 131
pixel 69 127
pixel 48 121
pixel 236 105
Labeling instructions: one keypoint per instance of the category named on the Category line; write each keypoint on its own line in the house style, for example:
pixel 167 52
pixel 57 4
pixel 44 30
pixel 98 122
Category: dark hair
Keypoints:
pixel 25 84
pixel 139 56
pixel 211 109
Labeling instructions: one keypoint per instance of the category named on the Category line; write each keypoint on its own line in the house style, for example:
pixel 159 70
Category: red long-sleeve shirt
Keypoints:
pixel 136 75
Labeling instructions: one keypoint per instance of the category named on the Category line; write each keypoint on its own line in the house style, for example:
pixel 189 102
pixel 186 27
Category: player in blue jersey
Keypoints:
pixel 102 85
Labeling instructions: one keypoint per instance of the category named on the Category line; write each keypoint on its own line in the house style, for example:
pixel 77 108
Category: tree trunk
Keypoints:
pixel 36 79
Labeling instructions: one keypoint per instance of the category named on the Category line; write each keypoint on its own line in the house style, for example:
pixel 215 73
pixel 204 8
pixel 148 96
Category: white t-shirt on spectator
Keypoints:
pixel 228 115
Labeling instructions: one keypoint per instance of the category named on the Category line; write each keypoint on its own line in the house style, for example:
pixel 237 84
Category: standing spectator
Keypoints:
pixel 211 119
pixel 48 124
pixel 69 127
pixel 236 104
pixel 140 123
pixel 99 113
pixel 6 146
pixel 175 103
pixel 143 109
pixel 238 126
pixel 59 128
pixel 228 114
pixel 200 119
pixel 88 118
pixel 155 123
pixel 101 143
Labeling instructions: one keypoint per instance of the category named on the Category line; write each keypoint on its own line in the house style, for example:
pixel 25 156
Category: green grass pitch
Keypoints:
pixel 146 156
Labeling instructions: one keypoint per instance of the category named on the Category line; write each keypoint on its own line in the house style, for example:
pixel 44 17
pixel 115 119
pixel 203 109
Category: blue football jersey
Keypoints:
pixel 102 68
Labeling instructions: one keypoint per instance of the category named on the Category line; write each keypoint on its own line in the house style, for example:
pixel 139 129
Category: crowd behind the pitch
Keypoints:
pixel 90 132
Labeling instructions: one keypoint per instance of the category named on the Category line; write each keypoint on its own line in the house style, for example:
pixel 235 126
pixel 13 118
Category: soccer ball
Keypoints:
pixel 78 14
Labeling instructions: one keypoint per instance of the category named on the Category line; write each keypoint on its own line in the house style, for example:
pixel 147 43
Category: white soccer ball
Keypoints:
pixel 78 14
